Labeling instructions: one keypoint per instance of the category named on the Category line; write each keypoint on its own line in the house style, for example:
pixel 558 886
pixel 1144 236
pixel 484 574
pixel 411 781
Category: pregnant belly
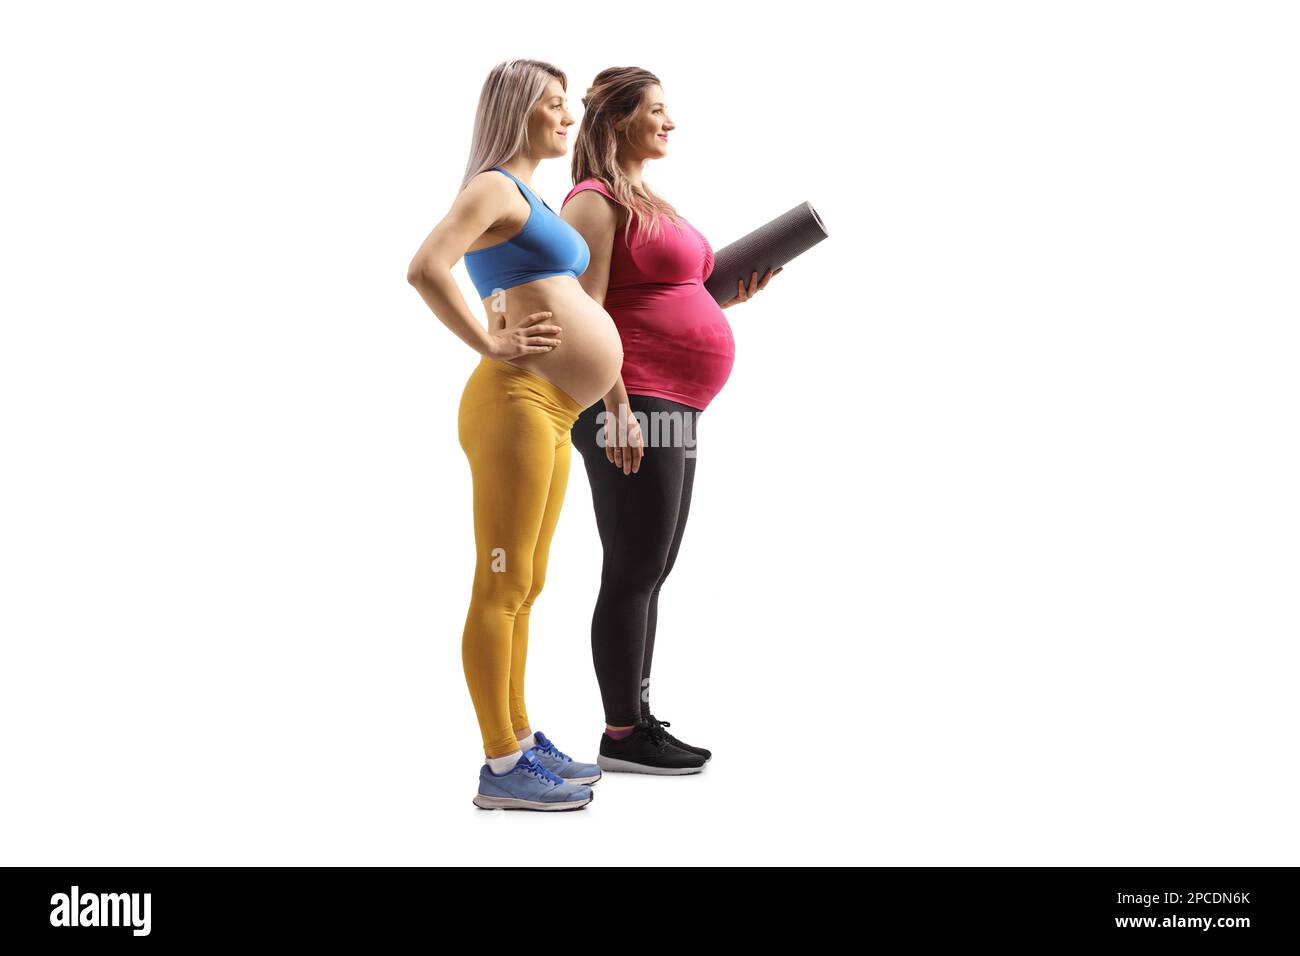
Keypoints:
pixel 676 342
pixel 586 364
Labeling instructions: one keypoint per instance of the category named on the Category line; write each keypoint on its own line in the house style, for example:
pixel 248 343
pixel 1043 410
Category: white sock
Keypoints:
pixel 528 743
pixel 500 765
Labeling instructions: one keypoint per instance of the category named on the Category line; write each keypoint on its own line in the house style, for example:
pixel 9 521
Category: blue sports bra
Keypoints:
pixel 546 246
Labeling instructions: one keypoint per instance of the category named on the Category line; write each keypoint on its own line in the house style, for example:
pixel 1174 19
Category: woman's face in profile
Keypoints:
pixel 649 126
pixel 549 122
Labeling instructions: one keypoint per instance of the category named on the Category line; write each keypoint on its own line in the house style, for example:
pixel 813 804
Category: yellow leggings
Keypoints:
pixel 514 427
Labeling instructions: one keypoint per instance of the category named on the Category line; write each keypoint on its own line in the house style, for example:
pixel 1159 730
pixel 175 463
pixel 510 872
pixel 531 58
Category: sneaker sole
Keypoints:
pixel 484 802
pixel 583 780
pixel 614 765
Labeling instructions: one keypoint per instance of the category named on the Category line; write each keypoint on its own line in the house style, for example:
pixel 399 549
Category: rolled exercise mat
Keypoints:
pixel 789 235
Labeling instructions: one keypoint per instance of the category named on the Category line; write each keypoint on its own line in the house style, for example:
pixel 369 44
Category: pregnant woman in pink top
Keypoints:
pixel 647 268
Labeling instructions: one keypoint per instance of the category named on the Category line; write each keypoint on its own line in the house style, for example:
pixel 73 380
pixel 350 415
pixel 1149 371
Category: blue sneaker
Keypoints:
pixel 528 785
pixel 561 764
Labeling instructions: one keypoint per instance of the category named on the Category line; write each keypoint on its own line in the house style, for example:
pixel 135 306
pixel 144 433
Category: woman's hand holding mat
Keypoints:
pixel 755 286
pixel 766 248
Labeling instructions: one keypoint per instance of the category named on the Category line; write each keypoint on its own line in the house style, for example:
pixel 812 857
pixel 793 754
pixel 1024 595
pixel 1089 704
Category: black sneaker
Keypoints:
pixel 656 722
pixel 646 750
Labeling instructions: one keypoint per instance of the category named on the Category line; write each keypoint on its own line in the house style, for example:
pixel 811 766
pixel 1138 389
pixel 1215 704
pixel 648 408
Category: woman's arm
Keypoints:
pixel 478 207
pixel 597 219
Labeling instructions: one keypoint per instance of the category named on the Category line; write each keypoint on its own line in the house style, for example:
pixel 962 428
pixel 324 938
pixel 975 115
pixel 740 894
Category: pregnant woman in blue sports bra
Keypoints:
pixel 549 351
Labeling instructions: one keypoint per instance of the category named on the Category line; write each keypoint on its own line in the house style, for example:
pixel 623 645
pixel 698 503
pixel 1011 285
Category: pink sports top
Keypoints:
pixel 677 344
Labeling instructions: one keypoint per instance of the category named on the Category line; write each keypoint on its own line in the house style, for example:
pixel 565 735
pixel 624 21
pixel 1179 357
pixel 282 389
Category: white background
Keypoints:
pixel 993 555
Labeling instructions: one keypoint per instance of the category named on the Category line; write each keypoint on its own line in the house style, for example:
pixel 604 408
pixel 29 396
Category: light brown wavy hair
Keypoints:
pixel 614 95
pixel 509 94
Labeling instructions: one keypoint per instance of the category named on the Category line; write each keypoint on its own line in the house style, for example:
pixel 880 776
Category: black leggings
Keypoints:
pixel 640 518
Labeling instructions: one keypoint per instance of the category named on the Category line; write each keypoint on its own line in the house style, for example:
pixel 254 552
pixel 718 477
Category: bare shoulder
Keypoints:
pixel 487 189
pixel 592 207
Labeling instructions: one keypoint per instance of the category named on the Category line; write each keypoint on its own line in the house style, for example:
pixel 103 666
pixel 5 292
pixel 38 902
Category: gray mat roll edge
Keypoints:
pixel 789 235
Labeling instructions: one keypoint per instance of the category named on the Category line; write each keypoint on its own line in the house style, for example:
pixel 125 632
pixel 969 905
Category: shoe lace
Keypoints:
pixel 659 725
pixel 554 751
pixel 540 772
pixel 654 730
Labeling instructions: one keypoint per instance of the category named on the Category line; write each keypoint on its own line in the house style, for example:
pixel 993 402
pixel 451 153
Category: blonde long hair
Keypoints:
pixel 501 123
pixel 614 95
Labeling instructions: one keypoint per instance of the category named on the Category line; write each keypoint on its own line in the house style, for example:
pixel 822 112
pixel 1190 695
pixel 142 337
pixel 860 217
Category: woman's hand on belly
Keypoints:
pixel 588 363
pixel 530 337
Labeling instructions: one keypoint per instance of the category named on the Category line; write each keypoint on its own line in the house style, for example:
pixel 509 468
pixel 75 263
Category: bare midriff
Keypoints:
pixel 586 363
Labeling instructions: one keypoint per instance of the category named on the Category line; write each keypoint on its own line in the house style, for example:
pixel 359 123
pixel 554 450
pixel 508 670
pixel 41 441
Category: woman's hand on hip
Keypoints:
pixel 529 338
pixel 755 286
